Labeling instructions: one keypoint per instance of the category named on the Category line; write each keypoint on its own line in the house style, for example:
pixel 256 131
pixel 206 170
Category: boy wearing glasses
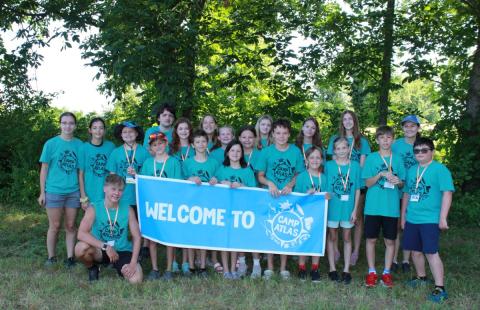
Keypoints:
pixel 426 202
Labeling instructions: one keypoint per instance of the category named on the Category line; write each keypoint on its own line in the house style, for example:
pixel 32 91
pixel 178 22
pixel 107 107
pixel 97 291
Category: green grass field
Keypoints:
pixel 25 283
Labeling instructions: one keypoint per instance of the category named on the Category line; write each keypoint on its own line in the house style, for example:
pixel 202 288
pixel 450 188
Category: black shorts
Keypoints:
pixel 373 223
pixel 124 258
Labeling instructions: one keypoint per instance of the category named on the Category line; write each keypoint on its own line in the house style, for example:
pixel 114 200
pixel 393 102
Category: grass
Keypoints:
pixel 26 284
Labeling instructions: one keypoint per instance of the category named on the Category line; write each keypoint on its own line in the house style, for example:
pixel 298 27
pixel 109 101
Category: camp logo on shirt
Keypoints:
pixel 337 186
pixel 234 178
pixel 68 161
pixel 287 225
pixel 355 155
pixel 203 175
pixel 98 164
pixel 409 160
pixel 381 181
pixel 164 175
pixel 282 170
pixel 115 234
pixel 123 167
pixel 423 190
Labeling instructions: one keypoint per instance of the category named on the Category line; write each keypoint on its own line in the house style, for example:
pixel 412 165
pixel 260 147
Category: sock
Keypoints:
pixel 440 287
pixel 314 267
pixel 256 261
pixel 386 271
pixel 424 278
pixel 406 262
pixel 372 270
pixel 241 259
pixel 302 267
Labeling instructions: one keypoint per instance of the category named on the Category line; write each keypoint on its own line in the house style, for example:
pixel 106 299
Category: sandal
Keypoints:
pixel 218 268
pixel 353 259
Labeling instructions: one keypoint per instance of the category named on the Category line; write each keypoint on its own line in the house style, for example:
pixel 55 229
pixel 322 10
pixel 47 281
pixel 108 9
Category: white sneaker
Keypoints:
pixel 285 274
pixel 242 269
pixel 256 272
pixel 267 274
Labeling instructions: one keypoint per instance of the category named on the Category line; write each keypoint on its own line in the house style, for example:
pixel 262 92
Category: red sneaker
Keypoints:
pixel 371 280
pixel 387 280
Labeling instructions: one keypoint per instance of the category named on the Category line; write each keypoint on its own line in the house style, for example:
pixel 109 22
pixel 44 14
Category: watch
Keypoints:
pixel 104 247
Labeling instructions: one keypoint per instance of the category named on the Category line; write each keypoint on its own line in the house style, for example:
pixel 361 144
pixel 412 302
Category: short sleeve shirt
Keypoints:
pixel 204 170
pixel 244 176
pixel 400 146
pixel 171 170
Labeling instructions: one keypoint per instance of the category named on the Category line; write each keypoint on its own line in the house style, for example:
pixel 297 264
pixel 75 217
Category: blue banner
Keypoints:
pixel 182 214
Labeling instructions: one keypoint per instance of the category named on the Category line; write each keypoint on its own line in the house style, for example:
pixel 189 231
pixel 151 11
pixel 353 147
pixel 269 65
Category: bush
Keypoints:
pixel 465 209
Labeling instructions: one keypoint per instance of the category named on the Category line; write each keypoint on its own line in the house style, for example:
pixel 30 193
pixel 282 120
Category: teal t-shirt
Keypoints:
pixel 306 147
pixel 265 143
pixel 119 232
pixel 252 159
pixel 338 209
pixel 281 166
pixel 381 200
pixel 118 164
pixel 218 154
pixel 304 183
pixel 93 163
pixel 172 169
pixel 205 171
pixel 244 176
pixel 356 153
pixel 435 180
pixel 405 150
pixel 155 129
pixel 184 153
pixel 62 158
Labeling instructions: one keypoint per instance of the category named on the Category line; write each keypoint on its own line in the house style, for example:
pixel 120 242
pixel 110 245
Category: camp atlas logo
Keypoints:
pixel 98 163
pixel 287 225
pixel 68 161
pixel 282 170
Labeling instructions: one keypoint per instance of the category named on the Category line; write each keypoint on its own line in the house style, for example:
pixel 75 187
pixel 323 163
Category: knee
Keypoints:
pixel 54 226
pixel 81 249
pixel 332 236
pixel 416 254
pixel 137 277
pixel 389 243
pixel 70 227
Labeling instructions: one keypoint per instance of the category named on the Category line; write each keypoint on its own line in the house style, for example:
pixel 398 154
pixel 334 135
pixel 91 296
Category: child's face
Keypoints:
pixel 209 125
pixel 265 126
pixel 158 147
pixel 200 144
pixel 410 129
pixel 97 130
pixel 341 149
pixel 183 131
pixel 423 154
pixel 281 135
pixel 385 141
pixel 67 125
pixel 129 135
pixel 308 129
pixel 314 160
pixel 166 119
pixel 247 139
pixel 113 192
pixel 348 121
pixel 235 153
pixel 225 135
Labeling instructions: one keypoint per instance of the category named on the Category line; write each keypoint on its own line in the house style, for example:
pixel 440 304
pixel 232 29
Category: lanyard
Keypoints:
pixel 186 154
pixel 319 181
pixel 304 157
pixel 249 158
pixel 344 182
pixel 389 166
pixel 133 156
pixel 351 150
pixel 155 167
pixel 419 177
pixel 110 220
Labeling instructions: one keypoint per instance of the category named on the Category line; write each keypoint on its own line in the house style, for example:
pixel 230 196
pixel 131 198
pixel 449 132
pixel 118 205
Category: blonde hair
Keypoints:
pixel 258 140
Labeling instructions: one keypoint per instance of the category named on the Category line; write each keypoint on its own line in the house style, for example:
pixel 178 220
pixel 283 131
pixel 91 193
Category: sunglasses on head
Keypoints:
pixel 158 135
pixel 423 151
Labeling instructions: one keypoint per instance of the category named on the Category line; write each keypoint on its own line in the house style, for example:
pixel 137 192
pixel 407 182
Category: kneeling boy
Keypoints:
pixel 103 234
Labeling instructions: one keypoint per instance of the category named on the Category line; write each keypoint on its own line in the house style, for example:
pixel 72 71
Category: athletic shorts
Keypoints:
pixel 373 224
pixel 71 200
pixel 124 258
pixel 134 207
pixel 421 238
pixel 336 224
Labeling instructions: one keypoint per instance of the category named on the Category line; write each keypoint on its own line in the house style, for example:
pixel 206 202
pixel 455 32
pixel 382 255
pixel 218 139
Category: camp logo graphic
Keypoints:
pixel 234 178
pixel 68 161
pixel 203 175
pixel 282 170
pixel 381 181
pixel 409 160
pixel 355 155
pixel 423 189
pixel 287 225
pixel 123 167
pixel 337 186
pixel 115 234
pixel 98 163
pixel 164 174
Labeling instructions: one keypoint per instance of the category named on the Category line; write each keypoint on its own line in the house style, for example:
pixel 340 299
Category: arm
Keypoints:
pixel 446 204
pixel 362 159
pixel 130 269
pixel 43 178
pixel 373 180
pixel 287 189
pixel 353 217
pixel 272 188
pixel 83 194
pixel 403 212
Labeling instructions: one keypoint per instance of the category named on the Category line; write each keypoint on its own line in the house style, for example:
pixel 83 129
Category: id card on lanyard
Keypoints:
pixel 129 178
pixel 387 184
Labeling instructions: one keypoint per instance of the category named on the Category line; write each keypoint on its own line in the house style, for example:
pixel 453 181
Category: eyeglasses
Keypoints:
pixel 423 151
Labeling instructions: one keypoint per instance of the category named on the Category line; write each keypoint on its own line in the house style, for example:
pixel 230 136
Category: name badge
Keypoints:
pixel 111 243
pixel 414 198
pixel 388 185
pixel 344 197
pixel 130 180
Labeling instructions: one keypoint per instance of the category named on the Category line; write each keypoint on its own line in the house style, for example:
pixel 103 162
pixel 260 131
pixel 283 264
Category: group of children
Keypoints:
pixel 399 186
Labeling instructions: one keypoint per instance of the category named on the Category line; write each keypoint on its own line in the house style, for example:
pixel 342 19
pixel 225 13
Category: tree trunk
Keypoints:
pixel 385 82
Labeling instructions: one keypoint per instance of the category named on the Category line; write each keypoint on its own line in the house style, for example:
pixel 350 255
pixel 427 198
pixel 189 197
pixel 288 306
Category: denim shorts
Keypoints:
pixel 71 200
pixel 336 224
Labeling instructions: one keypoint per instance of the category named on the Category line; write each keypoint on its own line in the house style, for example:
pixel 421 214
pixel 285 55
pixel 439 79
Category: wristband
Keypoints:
pixel 84 200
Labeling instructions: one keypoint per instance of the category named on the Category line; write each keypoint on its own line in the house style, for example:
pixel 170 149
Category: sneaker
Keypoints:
pixel 417 282
pixel 438 295
pixel 302 275
pixel 315 275
pixel 202 273
pixel 153 275
pixel 394 267
pixel 144 253
pixel 236 276
pixel 227 275
pixel 333 275
pixel 346 278
pixel 387 280
pixel 70 262
pixel 267 274
pixel 406 267
pixel 285 274
pixel 256 272
pixel 167 276
pixel 371 279
pixel 186 269
pixel 175 268
pixel 242 269
pixel 50 262
pixel 93 273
